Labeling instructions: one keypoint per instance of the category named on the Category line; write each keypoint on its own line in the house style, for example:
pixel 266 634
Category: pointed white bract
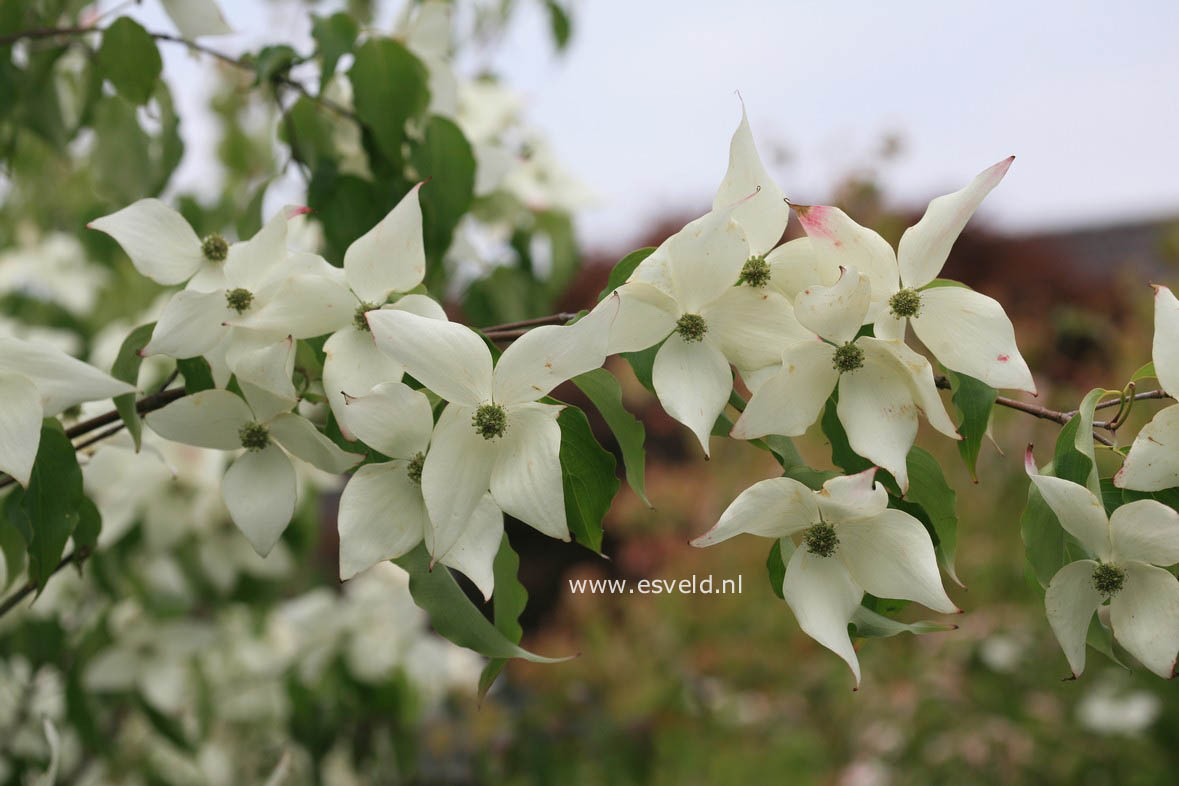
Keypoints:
pixel 39 381
pixel 380 265
pixel 965 330
pixel 761 207
pixel 383 513
pixel 241 297
pixel 1153 461
pixel 689 295
pixel 883 385
pixel 260 488
pixel 852 543
pixel 1130 549
pixel 493 437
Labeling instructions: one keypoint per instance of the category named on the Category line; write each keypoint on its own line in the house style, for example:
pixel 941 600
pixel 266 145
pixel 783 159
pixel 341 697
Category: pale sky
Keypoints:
pixel 641 107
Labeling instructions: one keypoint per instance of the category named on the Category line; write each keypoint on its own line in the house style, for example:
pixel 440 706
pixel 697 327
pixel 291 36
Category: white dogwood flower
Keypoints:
pixel 382 510
pixel 494 434
pixel 965 330
pixel 852 543
pixel 1153 461
pixel 39 381
pixel 690 294
pixel 259 488
pixel 1131 548
pixel 164 247
pixel 883 385
pixel 267 293
pixel 387 260
pixel 763 215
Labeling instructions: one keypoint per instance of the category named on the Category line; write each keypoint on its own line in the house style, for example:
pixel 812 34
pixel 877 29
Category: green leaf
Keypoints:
pixel 444 157
pixel 622 270
pixel 1144 372
pixel 272 61
pixel 842 454
pixel 249 221
pixel 776 562
pixel 587 474
pixel 509 601
pixel 89 527
pixel 603 390
pixel 334 37
pixel 126 369
pixel 197 374
pixel 1084 437
pixel 1047 546
pixel 50 503
pixel 12 543
pixel 975 400
pixel 389 86
pixel 642 363
pixel 559 23
pixel 866 623
pixel 453 615
pixel 129 59
pixel 928 489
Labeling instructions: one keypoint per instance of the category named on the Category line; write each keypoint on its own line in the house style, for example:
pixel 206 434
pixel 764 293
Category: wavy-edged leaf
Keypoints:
pixel 974 399
pixel 587 472
pixel 866 623
pixel 50 504
pixel 623 268
pixel 126 369
pixel 454 616
pixel 129 59
pixel 509 601
pixel 929 490
pixel 604 392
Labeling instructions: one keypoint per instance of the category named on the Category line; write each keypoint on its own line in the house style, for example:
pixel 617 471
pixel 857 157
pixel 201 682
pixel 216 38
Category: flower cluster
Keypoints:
pixel 447 434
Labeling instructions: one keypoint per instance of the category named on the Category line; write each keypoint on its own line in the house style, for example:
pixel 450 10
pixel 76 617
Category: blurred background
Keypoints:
pixel 178 656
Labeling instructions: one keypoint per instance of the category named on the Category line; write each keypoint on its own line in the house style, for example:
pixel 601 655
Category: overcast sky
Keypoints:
pixel 1085 94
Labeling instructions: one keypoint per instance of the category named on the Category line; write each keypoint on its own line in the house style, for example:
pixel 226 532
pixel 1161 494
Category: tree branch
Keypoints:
pixel 236 62
pixel 9 603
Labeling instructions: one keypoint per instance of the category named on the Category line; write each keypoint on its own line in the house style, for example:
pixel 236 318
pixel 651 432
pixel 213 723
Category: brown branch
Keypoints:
pixel 236 62
pixel 9 603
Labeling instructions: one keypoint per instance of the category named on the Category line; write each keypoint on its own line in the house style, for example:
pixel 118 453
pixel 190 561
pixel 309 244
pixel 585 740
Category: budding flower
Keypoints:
pixel 490 421
pixel 691 327
pixel 214 248
pixel 239 299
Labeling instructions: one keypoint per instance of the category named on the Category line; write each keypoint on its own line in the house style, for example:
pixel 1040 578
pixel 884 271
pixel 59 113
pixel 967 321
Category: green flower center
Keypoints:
pixel 359 320
pixel 490 421
pixel 414 470
pixel 820 539
pixel 1108 579
pixel 849 357
pixel 755 272
pixel 254 436
pixel 214 248
pixel 239 299
pixel 691 327
pixel 905 303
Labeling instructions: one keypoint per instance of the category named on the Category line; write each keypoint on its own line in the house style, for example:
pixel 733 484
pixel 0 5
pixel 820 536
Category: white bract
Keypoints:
pixel 263 292
pixel 883 385
pixel 387 260
pixel 259 488
pixel 164 247
pixel 1153 461
pixel 852 543
pixel 1131 547
pixel 494 434
pixel 965 330
pixel 38 381
pixel 687 294
pixel 382 509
